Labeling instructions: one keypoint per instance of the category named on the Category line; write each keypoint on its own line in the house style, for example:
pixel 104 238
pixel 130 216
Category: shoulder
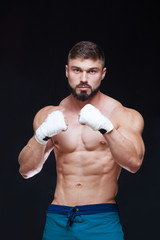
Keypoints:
pixel 123 116
pixel 129 118
pixel 42 114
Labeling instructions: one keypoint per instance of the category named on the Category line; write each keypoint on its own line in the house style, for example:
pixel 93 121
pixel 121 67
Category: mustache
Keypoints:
pixel 83 85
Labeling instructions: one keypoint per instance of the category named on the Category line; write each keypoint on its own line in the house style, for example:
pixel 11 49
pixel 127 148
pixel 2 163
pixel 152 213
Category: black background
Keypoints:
pixel 35 39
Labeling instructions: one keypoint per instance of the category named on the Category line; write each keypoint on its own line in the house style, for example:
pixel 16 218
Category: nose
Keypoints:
pixel 84 77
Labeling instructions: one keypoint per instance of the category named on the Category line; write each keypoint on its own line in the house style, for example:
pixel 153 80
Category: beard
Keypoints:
pixel 83 95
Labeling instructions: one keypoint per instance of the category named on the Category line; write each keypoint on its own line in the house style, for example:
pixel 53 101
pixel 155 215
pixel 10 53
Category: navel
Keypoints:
pixel 78 185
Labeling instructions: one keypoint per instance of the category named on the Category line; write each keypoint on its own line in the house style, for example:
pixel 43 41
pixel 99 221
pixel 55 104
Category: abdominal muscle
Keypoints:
pixel 86 170
pixel 86 178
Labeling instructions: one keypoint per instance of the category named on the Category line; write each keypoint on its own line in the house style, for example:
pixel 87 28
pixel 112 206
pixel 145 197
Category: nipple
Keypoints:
pixel 103 142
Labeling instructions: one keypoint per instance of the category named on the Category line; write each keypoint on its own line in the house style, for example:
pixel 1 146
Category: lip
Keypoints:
pixel 84 88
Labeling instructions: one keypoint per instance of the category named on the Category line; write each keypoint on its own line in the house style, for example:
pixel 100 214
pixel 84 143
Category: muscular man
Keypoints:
pixel 93 137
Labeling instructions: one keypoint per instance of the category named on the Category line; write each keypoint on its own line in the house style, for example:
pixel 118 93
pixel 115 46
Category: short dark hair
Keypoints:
pixel 86 50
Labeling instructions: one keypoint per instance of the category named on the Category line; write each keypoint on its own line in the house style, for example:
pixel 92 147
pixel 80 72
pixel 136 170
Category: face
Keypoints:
pixel 84 77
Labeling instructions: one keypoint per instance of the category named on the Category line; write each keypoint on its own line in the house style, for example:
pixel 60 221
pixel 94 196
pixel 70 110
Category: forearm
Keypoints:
pixel 123 151
pixel 31 158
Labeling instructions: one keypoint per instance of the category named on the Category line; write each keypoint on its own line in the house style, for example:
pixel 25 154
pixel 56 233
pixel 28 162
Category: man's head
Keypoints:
pixel 87 50
pixel 85 69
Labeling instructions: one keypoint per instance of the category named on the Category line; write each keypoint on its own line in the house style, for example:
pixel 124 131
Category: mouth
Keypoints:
pixel 83 87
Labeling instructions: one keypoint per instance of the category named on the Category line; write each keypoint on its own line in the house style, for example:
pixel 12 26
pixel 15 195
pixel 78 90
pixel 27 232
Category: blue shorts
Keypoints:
pixel 87 222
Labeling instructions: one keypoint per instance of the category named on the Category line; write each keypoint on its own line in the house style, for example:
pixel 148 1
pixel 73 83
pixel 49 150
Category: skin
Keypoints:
pixel 88 163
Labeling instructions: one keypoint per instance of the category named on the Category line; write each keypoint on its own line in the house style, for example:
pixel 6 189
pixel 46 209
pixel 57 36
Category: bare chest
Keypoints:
pixel 79 138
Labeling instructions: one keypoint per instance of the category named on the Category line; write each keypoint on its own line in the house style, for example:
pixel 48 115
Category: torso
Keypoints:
pixel 86 170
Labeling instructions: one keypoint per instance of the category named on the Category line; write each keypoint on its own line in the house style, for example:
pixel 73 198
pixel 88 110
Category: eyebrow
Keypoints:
pixel 92 68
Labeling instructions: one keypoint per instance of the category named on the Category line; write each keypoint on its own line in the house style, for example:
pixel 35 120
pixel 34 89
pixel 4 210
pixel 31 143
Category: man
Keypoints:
pixel 93 137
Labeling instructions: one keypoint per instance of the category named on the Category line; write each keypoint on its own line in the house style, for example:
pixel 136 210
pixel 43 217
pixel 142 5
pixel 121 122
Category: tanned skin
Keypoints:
pixel 88 163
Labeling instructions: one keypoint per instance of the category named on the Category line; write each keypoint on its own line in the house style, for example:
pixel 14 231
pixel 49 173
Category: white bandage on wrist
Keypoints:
pixel 92 117
pixel 53 125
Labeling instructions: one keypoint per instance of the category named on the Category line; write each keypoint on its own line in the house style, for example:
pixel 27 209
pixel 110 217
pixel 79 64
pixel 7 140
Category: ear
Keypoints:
pixel 104 72
pixel 66 70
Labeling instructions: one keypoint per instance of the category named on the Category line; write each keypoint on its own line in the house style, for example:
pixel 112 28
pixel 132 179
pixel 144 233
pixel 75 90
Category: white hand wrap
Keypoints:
pixel 53 125
pixel 92 117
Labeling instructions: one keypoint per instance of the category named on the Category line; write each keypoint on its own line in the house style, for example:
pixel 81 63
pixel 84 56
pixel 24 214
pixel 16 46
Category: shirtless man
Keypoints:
pixel 93 137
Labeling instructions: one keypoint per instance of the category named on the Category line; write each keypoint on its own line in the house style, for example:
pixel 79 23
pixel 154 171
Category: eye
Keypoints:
pixel 92 71
pixel 76 70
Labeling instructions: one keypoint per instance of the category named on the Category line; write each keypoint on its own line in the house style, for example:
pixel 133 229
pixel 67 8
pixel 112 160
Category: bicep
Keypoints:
pixel 131 127
pixel 38 120
pixel 135 137
pixel 42 115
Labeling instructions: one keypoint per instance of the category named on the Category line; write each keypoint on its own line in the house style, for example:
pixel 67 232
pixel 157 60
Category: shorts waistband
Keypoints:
pixel 83 209
pixel 72 212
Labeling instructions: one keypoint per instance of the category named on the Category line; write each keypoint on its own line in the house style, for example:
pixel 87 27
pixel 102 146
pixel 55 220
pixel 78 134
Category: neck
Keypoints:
pixel 77 104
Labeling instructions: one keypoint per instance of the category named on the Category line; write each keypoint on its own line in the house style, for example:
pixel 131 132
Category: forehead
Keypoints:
pixel 85 63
